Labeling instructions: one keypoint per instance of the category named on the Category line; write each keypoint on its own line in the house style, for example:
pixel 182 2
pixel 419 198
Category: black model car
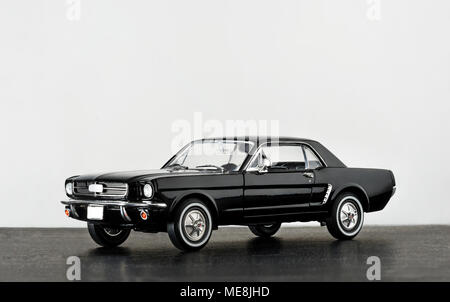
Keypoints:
pixel 260 182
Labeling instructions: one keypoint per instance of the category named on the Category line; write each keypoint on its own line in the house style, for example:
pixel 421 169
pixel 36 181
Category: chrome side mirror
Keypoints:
pixel 265 164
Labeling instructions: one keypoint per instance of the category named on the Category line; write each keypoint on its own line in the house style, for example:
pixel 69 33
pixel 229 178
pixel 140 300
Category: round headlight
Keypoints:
pixel 148 190
pixel 69 188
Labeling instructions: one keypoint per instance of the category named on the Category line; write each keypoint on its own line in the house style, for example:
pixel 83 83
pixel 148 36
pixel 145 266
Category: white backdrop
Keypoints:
pixel 99 89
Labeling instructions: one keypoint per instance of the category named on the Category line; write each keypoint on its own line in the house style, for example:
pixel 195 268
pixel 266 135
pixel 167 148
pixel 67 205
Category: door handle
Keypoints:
pixel 308 174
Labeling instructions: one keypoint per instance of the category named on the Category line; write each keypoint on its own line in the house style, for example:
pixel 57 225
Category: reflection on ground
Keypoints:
pixel 234 254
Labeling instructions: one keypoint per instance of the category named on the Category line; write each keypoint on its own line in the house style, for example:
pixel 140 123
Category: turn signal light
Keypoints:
pixel 67 212
pixel 144 215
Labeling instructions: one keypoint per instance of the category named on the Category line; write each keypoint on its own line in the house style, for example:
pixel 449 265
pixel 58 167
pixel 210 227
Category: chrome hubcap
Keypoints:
pixel 194 225
pixel 349 215
pixel 112 232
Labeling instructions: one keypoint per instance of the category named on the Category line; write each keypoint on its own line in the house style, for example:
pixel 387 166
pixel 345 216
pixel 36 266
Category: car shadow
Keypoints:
pixel 115 251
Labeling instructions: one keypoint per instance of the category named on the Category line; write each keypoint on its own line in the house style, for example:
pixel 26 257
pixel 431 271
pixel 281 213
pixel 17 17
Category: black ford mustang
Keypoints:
pixel 260 182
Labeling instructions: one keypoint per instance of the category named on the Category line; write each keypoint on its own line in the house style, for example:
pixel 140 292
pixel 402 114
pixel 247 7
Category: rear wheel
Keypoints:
pixel 191 227
pixel 265 230
pixel 107 236
pixel 347 217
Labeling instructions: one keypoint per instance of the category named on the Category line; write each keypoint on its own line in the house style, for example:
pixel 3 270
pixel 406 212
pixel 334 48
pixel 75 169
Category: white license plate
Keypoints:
pixel 95 212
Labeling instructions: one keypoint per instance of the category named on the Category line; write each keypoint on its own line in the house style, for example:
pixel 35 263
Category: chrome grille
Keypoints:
pixel 111 190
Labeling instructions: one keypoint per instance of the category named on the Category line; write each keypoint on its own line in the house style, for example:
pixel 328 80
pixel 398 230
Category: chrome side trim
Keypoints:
pixel 327 194
pixel 125 204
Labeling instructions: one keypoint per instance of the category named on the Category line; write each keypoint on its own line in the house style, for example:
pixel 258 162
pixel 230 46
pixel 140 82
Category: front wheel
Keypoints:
pixel 191 227
pixel 108 236
pixel 347 217
pixel 263 230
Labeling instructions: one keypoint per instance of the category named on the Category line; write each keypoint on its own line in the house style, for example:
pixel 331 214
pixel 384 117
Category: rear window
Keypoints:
pixel 312 159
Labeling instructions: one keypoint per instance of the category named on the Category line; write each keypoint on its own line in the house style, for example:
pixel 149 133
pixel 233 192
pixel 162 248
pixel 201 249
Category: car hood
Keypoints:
pixel 131 176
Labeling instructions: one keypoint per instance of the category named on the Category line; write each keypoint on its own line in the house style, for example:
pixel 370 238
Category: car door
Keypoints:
pixel 277 184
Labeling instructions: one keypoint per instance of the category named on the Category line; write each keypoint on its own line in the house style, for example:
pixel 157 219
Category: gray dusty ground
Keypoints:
pixel 407 253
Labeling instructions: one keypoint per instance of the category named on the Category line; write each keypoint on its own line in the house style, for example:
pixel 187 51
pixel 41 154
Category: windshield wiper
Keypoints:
pixel 210 166
pixel 178 166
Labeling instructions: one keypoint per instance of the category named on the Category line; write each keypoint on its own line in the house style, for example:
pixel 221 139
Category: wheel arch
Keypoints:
pixel 355 189
pixel 207 199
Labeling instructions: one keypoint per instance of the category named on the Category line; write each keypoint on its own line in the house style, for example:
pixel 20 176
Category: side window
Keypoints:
pixel 284 157
pixel 313 161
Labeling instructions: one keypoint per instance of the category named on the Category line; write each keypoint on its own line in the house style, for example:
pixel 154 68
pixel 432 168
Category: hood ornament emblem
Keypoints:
pixel 96 188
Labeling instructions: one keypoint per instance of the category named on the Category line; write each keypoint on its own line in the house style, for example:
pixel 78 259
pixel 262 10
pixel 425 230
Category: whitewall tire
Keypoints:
pixel 191 227
pixel 346 217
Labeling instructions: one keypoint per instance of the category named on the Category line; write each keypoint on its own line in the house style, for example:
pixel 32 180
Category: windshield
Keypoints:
pixel 216 155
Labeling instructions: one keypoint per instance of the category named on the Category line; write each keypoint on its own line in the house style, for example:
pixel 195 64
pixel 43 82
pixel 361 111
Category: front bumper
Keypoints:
pixel 158 205
pixel 121 213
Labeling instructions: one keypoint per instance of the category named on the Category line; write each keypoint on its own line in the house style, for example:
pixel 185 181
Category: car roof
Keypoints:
pixel 328 158
pixel 262 139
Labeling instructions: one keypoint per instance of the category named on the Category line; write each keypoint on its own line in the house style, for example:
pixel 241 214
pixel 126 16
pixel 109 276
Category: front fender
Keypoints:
pixel 205 197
